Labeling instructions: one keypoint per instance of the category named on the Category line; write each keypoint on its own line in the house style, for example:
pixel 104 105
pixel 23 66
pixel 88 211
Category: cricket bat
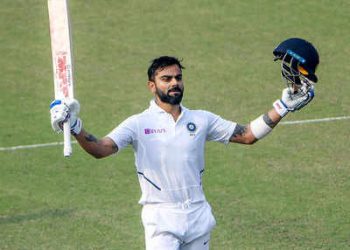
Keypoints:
pixel 61 47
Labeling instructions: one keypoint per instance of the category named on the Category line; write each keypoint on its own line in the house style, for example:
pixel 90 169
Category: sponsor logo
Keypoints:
pixel 63 72
pixel 149 131
pixel 296 56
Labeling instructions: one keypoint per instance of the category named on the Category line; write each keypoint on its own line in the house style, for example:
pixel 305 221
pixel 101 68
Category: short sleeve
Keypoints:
pixel 219 129
pixel 125 133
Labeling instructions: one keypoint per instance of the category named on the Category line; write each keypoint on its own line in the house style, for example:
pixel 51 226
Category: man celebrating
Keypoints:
pixel 168 140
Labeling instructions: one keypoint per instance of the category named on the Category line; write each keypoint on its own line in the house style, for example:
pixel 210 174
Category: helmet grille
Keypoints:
pixel 292 76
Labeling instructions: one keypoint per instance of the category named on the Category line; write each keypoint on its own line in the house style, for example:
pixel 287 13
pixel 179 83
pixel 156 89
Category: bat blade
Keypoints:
pixel 62 62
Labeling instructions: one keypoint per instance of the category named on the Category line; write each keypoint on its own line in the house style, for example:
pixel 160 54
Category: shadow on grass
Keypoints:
pixel 47 213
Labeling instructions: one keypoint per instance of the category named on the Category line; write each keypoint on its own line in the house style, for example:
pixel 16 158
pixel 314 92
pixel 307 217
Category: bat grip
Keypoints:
pixel 67 148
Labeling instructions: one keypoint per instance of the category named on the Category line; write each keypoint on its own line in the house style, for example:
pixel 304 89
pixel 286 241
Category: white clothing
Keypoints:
pixel 180 226
pixel 169 155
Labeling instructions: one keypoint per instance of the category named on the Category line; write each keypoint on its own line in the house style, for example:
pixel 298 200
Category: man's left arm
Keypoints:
pixel 244 134
pixel 263 125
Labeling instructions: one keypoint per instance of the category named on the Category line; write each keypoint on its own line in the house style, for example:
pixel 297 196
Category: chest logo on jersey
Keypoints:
pixel 149 131
pixel 191 127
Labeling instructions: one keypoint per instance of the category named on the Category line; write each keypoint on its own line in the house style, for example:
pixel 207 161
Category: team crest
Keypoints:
pixel 191 127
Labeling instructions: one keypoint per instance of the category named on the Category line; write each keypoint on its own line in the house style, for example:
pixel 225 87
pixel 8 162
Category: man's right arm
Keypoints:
pixel 99 148
pixel 69 109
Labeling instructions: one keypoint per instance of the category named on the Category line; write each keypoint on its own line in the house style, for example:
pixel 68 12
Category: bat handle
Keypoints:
pixel 67 148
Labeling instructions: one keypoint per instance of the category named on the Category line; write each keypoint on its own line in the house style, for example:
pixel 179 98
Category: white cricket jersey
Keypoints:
pixel 169 155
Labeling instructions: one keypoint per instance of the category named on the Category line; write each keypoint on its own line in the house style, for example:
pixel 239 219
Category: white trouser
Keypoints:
pixel 184 226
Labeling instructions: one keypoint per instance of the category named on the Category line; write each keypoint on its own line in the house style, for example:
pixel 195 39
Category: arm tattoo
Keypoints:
pixel 268 121
pixel 91 138
pixel 240 130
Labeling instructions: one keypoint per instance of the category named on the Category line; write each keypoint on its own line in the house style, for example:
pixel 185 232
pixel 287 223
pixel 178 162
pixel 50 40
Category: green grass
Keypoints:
pixel 289 191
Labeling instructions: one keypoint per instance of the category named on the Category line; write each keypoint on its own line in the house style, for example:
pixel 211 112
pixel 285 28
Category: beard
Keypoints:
pixel 171 99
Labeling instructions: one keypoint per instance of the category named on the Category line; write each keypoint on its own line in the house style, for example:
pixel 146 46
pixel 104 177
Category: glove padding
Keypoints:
pixel 61 111
pixel 293 101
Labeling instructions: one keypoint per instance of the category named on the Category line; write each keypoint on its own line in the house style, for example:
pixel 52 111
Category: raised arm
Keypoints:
pixel 61 110
pixel 99 148
pixel 263 125
pixel 243 133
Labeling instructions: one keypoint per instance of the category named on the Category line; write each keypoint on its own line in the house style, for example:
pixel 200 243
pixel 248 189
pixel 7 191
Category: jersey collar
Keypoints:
pixel 153 106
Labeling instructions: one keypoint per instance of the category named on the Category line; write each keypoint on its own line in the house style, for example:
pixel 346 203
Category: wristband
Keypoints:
pixel 259 128
pixel 280 108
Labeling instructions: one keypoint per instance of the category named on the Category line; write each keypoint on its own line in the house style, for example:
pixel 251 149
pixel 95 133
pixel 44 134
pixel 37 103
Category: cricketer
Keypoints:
pixel 169 139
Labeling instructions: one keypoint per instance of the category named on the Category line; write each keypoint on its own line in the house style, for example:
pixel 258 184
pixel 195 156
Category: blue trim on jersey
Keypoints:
pixel 140 173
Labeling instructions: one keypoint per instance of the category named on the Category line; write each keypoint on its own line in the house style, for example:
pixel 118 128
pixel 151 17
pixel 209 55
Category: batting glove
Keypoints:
pixel 292 101
pixel 61 111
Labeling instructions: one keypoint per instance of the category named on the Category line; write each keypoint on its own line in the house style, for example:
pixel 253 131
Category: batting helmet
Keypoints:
pixel 299 60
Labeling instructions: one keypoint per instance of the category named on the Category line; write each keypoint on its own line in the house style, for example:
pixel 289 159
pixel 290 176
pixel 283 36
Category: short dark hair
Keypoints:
pixel 160 63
